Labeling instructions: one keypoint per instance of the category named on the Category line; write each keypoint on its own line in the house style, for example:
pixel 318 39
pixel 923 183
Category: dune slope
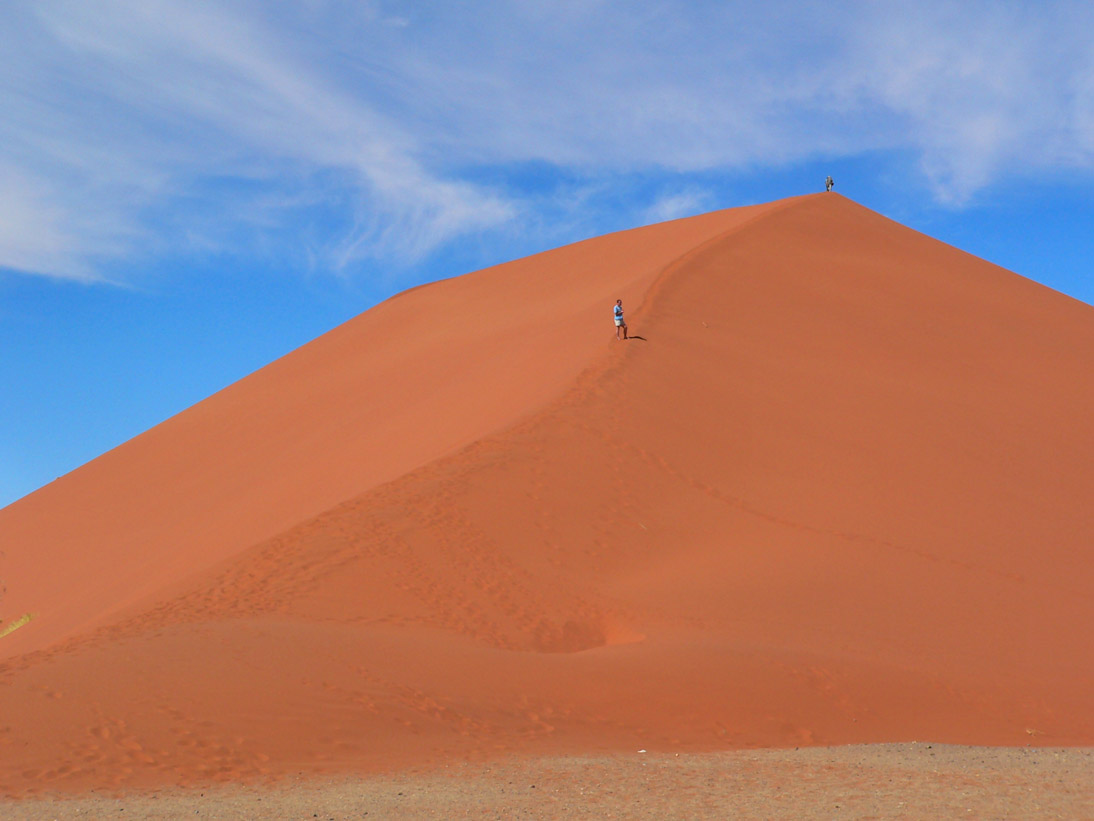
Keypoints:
pixel 835 493
pixel 417 377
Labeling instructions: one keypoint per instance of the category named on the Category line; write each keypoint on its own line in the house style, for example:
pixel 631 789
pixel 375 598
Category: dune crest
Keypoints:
pixel 835 493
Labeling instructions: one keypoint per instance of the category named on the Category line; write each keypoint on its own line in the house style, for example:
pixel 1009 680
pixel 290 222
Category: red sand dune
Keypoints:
pixel 837 492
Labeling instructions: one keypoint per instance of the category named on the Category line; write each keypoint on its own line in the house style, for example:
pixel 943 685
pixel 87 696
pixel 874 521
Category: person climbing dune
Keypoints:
pixel 619 323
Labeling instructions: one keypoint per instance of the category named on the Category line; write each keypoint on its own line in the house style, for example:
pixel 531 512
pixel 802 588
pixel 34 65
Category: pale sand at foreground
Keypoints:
pixel 913 780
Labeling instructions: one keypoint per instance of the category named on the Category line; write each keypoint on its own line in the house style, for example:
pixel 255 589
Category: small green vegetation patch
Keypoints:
pixel 11 627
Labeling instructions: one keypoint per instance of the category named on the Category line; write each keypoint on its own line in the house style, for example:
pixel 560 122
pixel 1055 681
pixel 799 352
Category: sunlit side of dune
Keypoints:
pixel 419 376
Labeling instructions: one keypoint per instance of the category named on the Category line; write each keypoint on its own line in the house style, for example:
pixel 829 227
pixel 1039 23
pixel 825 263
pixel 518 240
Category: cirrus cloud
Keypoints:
pixel 382 131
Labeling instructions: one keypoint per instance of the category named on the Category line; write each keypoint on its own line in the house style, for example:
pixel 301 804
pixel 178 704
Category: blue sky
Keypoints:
pixel 189 190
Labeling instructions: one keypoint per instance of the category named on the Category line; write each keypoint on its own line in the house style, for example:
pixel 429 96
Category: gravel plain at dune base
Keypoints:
pixel 880 781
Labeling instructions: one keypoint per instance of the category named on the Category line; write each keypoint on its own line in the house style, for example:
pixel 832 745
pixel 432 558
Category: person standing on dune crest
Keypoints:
pixel 619 323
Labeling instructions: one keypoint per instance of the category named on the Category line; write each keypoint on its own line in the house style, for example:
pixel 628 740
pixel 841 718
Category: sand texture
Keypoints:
pixel 835 492
pixel 885 781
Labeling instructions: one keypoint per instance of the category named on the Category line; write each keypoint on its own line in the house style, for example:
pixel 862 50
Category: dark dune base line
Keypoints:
pixel 912 780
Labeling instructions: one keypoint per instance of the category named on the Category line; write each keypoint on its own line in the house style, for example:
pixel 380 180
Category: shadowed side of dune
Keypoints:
pixel 835 494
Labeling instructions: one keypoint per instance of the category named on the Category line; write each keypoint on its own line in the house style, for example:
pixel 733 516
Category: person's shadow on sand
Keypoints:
pixel 633 336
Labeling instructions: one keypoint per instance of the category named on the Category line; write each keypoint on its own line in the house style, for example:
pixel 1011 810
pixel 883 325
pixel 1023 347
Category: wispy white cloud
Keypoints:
pixel 366 130
pixel 973 90
pixel 983 89
pixel 33 230
pixel 137 105
pixel 41 232
pixel 676 205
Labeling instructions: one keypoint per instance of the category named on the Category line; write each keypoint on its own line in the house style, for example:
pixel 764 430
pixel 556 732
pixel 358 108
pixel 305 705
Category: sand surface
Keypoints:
pixel 835 492
pixel 896 781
